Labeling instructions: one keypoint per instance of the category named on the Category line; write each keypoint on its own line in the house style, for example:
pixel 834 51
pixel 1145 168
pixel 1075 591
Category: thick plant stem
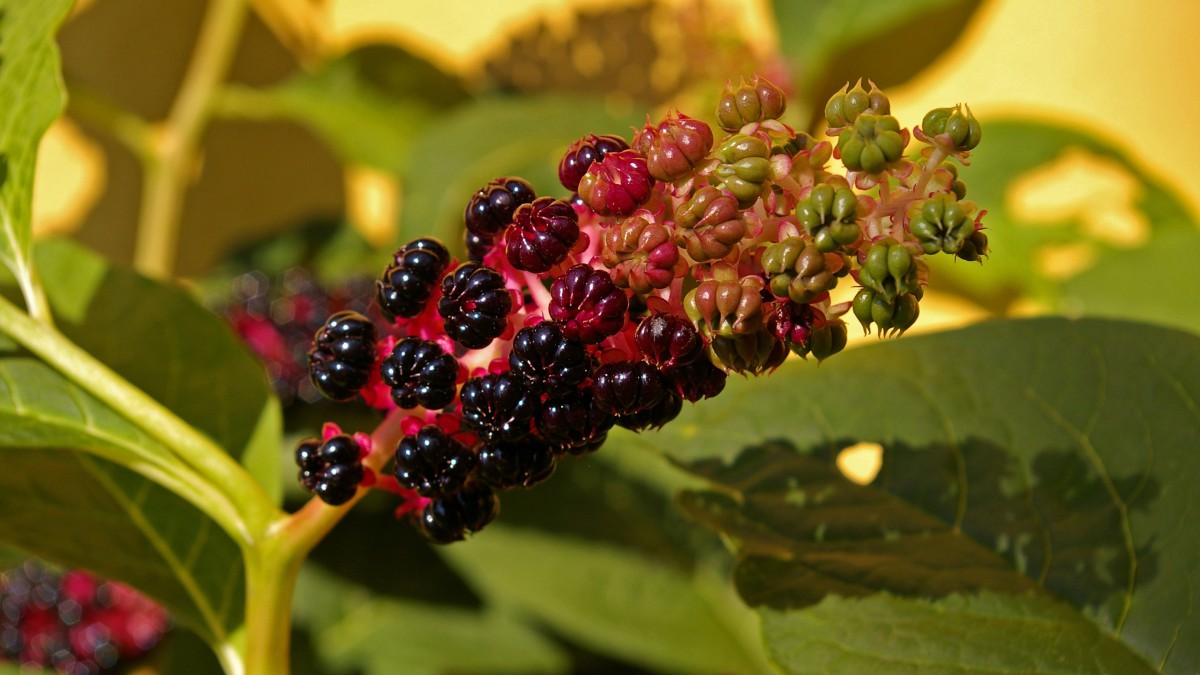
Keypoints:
pixel 170 163
pixel 271 569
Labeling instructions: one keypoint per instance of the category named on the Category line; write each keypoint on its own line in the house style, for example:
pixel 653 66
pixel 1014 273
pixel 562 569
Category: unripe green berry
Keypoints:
pixel 844 107
pixel 755 352
pixel 755 101
pixel 862 307
pixel 872 144
pixel 827 340
pixel 958 124
pixel 941 223
pixel 830 216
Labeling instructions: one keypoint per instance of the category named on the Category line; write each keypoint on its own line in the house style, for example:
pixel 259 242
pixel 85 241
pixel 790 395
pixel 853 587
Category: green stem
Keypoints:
pixel 271 570
pixel 169 165
pixel 91 108
pixel 238 503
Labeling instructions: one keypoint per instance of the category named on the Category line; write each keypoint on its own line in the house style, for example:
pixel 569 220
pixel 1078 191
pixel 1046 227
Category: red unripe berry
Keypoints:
pixel 617 185
pixel 582 153
pixel 587 304
pixel 674 147
pixel 541 235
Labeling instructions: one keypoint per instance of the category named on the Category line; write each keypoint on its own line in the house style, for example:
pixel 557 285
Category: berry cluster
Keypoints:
pixel 680 257
pixel 332 468
pixel 74 623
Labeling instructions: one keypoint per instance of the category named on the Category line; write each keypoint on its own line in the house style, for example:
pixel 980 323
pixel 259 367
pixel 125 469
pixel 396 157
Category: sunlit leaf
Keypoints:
pixel 1045 456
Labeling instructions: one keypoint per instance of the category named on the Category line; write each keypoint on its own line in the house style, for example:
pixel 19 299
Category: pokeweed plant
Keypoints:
pixel 1030 515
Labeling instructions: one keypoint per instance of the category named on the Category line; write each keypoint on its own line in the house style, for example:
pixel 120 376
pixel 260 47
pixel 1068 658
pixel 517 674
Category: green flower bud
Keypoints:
pixel 755 101
pixel 844 107
pixel 958 124
pixel 872 144
pixel 830 216
pixel 941 223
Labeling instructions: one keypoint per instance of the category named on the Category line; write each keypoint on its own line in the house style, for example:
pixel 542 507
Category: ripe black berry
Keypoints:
pixel 627 388
pixel 433 463
pixel 474 305
pixel 498 406
pixel 332 469
pixel 667 409
pixel 582 153
pixel 477 246
pixel 667 340
pixel 490 209
pixel 541 235
pixel 420 373
pixel 343 352
pixel 452 517
pixel 587 304
pixel 407 285
pixel 696 380
pixel 547 360
pixel 520 463
pixel 573 423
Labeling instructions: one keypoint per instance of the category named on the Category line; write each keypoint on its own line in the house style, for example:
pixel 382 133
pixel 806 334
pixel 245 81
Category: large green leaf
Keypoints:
pixel 370 104
pixel 607 598
pixel 164 342
pixel 357 630
pixel 32 92
pixel 1136 282
pixel 829 43
pixel 1050 455
pixel 489 138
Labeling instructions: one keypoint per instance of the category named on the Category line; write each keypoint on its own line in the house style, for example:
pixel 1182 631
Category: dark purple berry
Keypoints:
pixel 491 208
pixel 432 462
pixel 477 246
pixel 341 449
pixel 452 517
pixel 626 388
pixel 547 360
pixel 308 454
pixel 338 483
pixel 331 469
pixel 520 463
pixel 420 373
pixel 475 305
pixel 587 304
pixel 408 284
pixel 573 423
pixel 582 153
pixel 667 409
pixel 342 355
pixel 498 406
pixel 667 340
pixel 541 235
pixel 696 380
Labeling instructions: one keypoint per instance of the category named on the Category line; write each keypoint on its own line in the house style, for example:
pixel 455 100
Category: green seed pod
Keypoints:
pixel 752 169
pixel 754 101
pixel 741 146
pixel 812 276
pixel 726 307
pixel 941 223
pixel 872 144
pixel 827 340
pixel 958 124
pixel 781 258
pixel 753 353
pixel 899 261
pixel 830 216
pixel 882 310
pixel 906 312
pixel 974 247
pixel 844 107
pixel 877 263
pixel 862 307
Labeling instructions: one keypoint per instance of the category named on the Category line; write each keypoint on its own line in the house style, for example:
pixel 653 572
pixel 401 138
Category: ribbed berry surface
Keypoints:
pixel 697 379
pixel 509 464
pixel 452 517
pixel 491 208
pixel 498 406
pixel 668 340
pixel 407 285
pixel 541 235
pixel 343 352
pixel 73 623
pixel 331 469
pixel 420 373
pixel 474 305
pixel 582 153
pixel 433 463
pixel 547 360
pixel 573 423
pixel 587 304
pixel 666 409
pixel 626 388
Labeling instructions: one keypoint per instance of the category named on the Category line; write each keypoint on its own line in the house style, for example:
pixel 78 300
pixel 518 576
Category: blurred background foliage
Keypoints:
pixel 347 126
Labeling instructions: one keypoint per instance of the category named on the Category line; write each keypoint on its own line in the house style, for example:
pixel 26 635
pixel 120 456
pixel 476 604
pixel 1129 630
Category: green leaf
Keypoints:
pixel 1048 453
pixel 357 630
pixel 164 342
pixel 1017 155
pixel 80 511
pixel 830 43
pixel 33 96
pixel 604 597
pixel 490 138
pixel 370 104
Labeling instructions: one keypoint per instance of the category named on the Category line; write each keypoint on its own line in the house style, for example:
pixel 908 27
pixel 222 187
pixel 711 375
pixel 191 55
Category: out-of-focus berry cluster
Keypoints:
pixel 73 622
pixel 680 257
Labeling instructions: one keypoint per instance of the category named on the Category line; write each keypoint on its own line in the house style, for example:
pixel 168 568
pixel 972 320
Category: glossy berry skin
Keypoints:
pixel 617 185
pixel 572 423
pixel 474 305
pixel 625 388
pixel 582 153
pixel 491 208
pixel 654 417
pixel 433 463
pixel 696 380
pixel 541 235
pixel 420 373
pixel 547 360
pixel 408 284
pixel 342 355
pixel 332 469
pixel 477 246
pixel 667 340
pixel 587 305
pixel 498 406
pixel 521 463
pixel 452 517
